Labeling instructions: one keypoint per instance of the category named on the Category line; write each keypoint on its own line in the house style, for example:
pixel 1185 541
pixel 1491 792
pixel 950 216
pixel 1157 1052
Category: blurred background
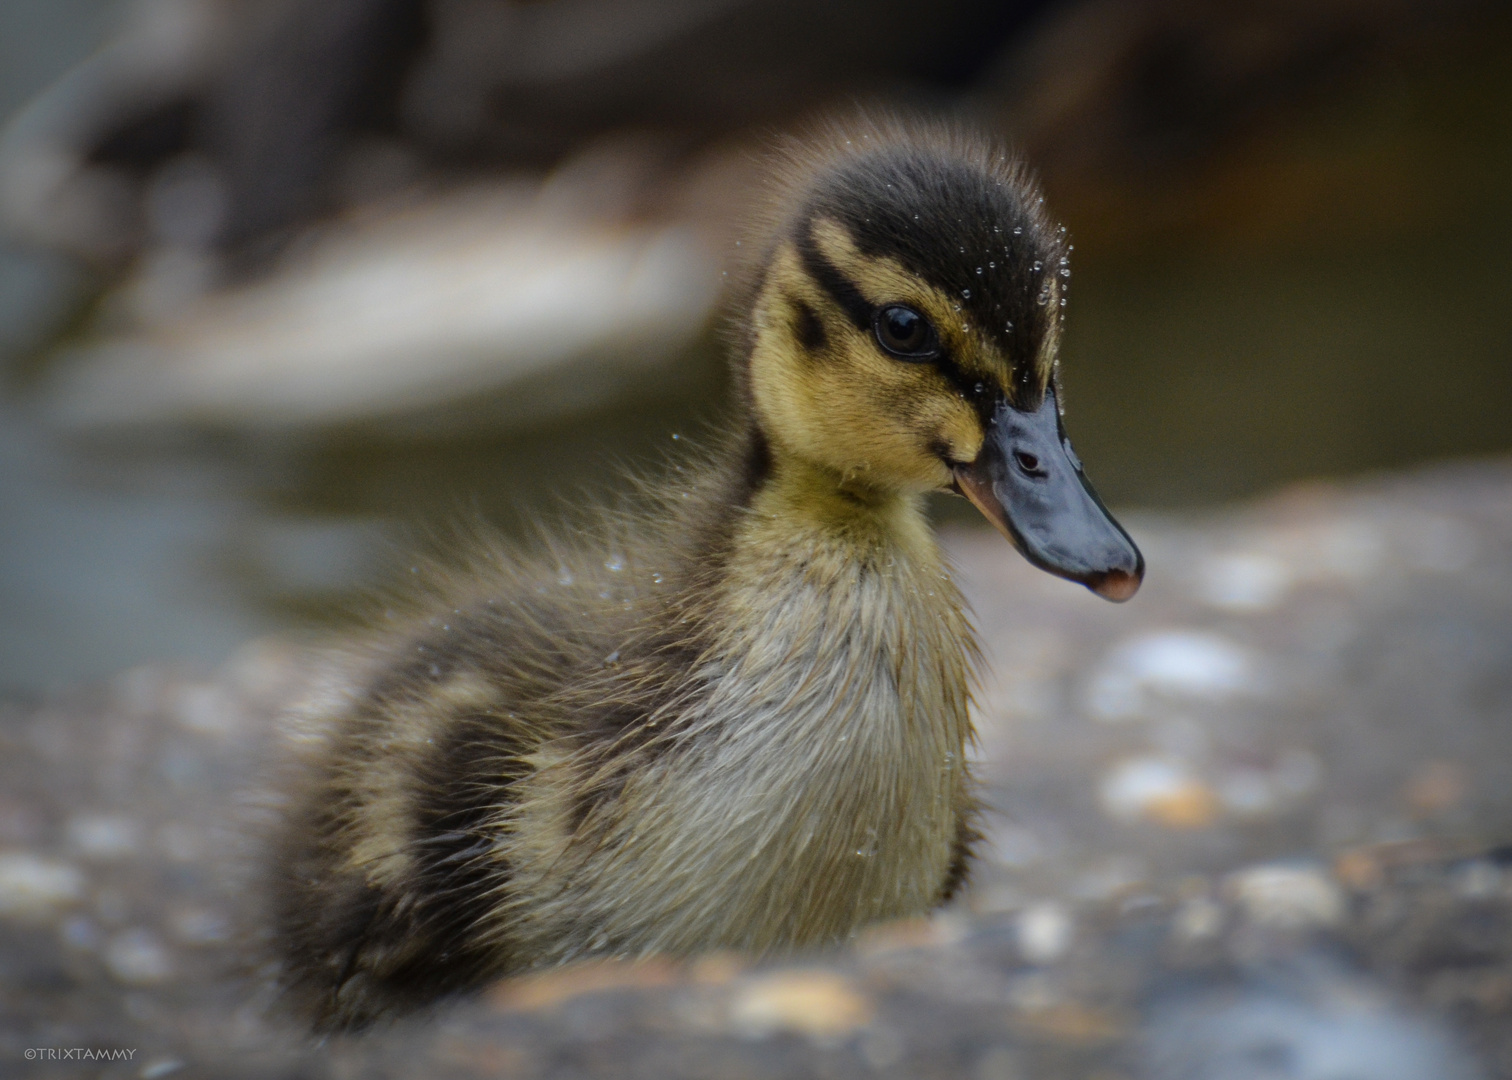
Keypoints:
pixel 284 285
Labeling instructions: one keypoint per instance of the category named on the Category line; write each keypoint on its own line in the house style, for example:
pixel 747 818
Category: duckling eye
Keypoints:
pixel 905 333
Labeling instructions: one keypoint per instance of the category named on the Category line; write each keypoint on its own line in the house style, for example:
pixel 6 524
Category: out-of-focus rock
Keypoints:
pixel 1323 1026
pixel 1287 897
pixel 493 290
pixel 1087 944
pixel 33 887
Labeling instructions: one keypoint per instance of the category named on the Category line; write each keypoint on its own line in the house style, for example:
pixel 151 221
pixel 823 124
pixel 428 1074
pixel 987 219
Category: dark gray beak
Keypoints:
pixel 1028 482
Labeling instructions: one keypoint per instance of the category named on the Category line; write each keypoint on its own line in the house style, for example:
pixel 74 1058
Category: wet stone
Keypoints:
pixel 1256 823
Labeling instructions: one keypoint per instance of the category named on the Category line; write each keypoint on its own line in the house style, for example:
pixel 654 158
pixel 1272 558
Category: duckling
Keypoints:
pixel 740 721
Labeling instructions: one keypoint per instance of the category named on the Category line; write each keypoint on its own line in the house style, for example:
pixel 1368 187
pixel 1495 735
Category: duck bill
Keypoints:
pixel 1028 482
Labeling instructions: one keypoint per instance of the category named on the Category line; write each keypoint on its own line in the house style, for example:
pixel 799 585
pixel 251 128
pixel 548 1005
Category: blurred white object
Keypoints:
pixel 1045 932
pixel 1160 789
pixel 1287 897
pixel 31 886
pixel 478 292
pixel 1244 581
pixel 1174 663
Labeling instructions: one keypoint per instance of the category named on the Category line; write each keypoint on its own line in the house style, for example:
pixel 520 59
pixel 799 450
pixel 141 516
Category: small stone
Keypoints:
pixel 1045 932
pixel 32 887
pixel 1198 919
pixel 1330 1030
pixel 137 958
pixel 999 1063
pixel 1193 664
pixel 207 710
pixel 103 837
pixel 881 1047
pixel 550 989
pixel 1158 789
pixel 1244 582
pixel 1478 879
pixel 179 842
pixel 198 926
pixel 1436 787
pixel 1359 870
pixel 1287 897
pixel 823 1005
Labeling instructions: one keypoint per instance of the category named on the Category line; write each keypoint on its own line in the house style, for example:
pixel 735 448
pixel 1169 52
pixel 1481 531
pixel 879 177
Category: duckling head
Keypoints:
pixel 904 332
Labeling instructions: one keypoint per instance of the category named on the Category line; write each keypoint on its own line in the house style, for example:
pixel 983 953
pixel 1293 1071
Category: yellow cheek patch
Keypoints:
pixel 859 411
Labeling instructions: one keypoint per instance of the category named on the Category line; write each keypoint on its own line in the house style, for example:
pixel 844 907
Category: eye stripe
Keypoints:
pixel 840 288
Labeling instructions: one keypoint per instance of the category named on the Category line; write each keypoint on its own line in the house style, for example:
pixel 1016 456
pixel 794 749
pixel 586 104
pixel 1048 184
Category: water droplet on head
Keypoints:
pixel 966 293
pixel 992 266
pixel 1038 266
pixel 1017 231
pixel 979 270
pixel 963 249
pixel 1064 272
pixel 614 563
pixel 1008 327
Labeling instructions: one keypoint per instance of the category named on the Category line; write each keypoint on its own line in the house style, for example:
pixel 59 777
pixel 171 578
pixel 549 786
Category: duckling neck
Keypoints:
pixel 800 499
pixel 836 676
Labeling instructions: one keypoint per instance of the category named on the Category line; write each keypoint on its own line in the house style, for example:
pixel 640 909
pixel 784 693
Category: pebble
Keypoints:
pixel 999 1063
pixel 103 837
pixel 1478 879
pixel 199 926
pixel 1198 919
pixel 1190 664
pixel 1244 582
pixel 823 1005
pixel 1266 1035
pixel 552 988
pixel 1045 932
pixel 1265 792
pixel 137 958
pixel 33 887
pixel 1158 789
pixel 1436 787
pixel 1287 897
pixel 206 709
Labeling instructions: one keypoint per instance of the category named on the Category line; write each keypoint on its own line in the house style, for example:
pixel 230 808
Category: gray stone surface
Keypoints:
pixel 1253 824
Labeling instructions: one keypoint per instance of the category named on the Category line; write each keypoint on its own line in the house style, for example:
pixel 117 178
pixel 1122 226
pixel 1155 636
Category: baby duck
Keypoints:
pixel 740 722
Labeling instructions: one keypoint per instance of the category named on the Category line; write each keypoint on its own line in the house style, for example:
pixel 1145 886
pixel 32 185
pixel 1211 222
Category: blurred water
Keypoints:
pixel 1193 374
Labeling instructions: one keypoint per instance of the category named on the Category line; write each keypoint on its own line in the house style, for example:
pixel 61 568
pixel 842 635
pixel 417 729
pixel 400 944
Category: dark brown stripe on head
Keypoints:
pixel 840 288
pixel 808 329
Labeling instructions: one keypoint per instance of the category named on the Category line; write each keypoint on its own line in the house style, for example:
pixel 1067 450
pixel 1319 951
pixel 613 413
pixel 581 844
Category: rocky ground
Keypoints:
pixel 1255 824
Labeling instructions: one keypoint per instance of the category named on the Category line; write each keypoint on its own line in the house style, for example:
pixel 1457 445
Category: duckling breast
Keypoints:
pixel 814 781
